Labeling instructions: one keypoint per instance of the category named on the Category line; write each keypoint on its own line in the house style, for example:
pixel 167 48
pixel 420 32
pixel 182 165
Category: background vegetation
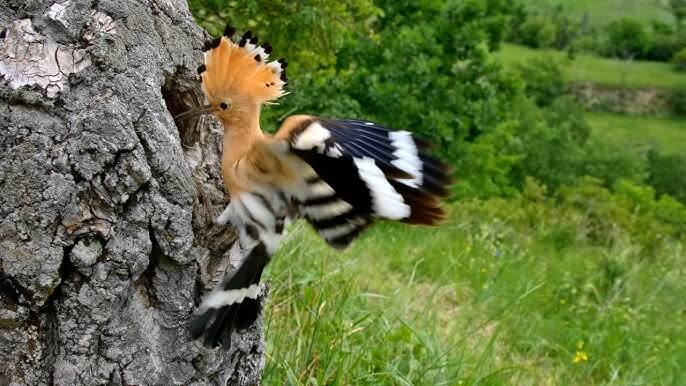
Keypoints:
pixel 563 259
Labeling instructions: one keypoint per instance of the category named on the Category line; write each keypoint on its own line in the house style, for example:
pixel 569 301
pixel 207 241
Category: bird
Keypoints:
pixel 339 175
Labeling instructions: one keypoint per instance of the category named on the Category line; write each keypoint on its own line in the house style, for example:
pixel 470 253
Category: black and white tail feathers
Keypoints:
pixel 372 172
pixel 235 302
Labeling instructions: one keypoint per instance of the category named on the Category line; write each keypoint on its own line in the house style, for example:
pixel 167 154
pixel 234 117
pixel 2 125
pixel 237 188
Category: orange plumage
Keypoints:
pixel 235 72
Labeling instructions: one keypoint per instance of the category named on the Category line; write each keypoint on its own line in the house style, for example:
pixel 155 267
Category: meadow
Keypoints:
pixel 525 292
pixel 601 71
pixel 666 134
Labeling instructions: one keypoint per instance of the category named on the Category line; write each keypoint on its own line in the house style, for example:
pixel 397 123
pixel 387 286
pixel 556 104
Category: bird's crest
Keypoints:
pixel 240 69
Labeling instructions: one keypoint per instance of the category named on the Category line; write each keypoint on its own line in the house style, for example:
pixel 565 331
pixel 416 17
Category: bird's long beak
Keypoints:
pixel 202 110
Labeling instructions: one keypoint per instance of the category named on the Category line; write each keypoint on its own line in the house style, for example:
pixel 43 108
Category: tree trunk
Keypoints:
pixel 106 234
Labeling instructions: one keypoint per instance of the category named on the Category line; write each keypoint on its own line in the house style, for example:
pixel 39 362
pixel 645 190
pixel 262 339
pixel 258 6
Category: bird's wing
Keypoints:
pixel 361 171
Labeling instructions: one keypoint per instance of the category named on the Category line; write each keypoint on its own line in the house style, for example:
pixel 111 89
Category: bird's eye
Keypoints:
pixel 224 105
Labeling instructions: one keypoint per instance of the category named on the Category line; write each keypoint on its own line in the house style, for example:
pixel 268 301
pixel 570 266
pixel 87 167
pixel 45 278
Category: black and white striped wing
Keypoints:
pixel 372 172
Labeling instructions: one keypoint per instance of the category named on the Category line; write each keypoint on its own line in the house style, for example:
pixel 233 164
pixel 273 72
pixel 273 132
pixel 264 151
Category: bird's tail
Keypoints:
pixel 233 303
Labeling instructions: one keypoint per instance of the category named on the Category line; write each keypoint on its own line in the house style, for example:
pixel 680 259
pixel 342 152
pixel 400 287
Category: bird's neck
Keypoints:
pixel 241 130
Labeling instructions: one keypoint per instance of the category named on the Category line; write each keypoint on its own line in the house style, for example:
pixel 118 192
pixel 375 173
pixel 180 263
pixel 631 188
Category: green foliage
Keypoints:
pixel 610 162
pixel 550 143
pixel 677 100
pixel 663 42
pixel 544 79
pixel 679 60
pixel 678 8
pixel 639 34
pixel 309 30
pixel 666 174
pixel 627 38
pixel 538 32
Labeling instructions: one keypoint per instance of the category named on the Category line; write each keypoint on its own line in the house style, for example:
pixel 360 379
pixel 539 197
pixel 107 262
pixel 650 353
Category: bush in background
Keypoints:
pixel 611 163
pixel 538 32
pixel 627 38
pixel 544 80
pixel 679 60
pixel 677 101
pixel 553 26
pixel 666 173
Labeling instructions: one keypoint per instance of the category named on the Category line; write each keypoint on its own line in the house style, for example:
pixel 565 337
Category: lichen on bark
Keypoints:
pixel 106 206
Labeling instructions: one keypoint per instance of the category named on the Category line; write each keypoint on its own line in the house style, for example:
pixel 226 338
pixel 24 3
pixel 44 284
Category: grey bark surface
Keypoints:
pixel 106 206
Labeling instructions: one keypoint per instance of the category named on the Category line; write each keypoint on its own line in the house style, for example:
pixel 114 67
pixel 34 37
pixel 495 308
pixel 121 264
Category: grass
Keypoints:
pixel 601 71
pixel 483 300
pixel 665 134
pixel 601 12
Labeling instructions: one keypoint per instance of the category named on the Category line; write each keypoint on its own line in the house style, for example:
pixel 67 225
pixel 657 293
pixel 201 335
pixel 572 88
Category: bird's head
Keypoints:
pixel 237 78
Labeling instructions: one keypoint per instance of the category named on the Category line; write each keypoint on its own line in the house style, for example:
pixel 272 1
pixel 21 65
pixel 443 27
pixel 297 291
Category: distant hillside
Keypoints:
pixel 602 71
pixel 601 12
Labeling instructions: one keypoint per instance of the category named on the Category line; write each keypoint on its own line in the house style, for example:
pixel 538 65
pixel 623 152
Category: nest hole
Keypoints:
pixel 181 93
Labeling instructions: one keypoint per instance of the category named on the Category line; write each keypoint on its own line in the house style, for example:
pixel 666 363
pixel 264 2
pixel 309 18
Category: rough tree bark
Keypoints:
pixel 106 206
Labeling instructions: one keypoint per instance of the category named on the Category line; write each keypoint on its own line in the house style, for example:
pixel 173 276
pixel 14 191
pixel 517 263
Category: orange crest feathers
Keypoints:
pixel 240 70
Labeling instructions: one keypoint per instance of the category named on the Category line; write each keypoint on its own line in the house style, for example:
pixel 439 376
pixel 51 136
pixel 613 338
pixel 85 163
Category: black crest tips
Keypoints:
pixel 201 69
pixel 229 31
pixel 246 37
pixel 254 40
pixel 267 48
pixel 258 58
pixel 284 78
pixel 282 61
pixel 211 44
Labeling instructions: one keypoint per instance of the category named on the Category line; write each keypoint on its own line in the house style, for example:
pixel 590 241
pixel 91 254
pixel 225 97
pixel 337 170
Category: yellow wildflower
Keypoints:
pixel 580 356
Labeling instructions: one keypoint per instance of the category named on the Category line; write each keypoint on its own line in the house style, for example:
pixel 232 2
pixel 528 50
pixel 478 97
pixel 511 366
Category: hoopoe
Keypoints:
pixel 338 174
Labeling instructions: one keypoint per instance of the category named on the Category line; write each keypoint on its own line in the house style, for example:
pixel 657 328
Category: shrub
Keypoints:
pixel 666 174
pixel 550 143
pixel 678 8
pixel 611 163
pixel 538 32
pixel 679 60
pixel 677 101
pixel 661 46
pixel 627 38
pixel 544 80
